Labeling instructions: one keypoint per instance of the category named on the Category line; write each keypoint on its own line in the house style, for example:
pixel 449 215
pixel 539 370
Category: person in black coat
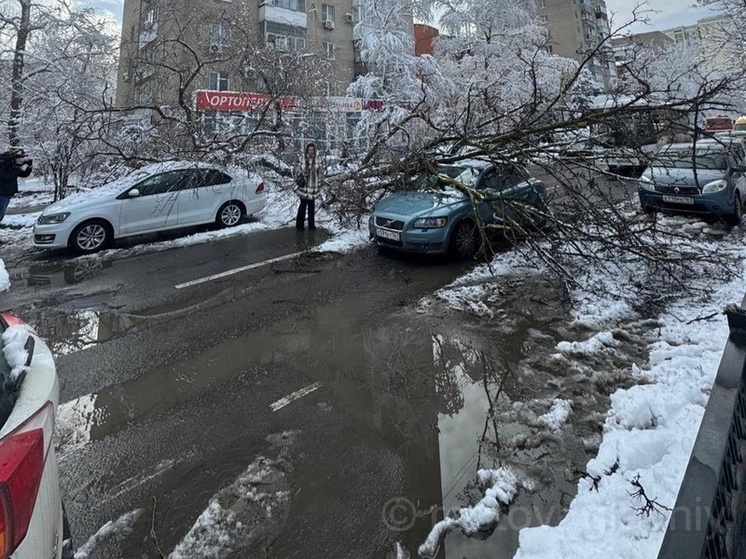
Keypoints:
pixel 13 164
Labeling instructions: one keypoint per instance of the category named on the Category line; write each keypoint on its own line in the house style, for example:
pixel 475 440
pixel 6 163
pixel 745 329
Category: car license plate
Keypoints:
pixel 678 199
pixel 385 234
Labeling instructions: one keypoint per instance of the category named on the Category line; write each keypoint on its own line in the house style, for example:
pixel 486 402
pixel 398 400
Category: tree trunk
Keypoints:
pixel 16 79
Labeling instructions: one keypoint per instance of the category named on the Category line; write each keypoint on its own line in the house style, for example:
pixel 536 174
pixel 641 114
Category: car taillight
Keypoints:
pixel 260 188
pixel 23 452
pixel 11 320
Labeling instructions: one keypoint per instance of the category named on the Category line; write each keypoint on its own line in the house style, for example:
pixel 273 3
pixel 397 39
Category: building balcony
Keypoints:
pixel 147 34
pixel 276 14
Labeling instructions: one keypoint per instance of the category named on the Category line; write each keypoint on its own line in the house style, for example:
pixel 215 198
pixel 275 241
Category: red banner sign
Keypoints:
pixel 235 101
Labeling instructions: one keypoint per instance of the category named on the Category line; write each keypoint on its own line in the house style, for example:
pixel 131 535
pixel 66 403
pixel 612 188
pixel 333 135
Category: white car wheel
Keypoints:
pixel 230 214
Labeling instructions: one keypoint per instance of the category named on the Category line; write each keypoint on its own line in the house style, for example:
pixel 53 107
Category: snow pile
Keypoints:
pixel 14 348
pixel 598 343
pixel 4 278
pixel 116 528
pixel 557 416
pixel 649 434
pixel 243 518
pixel 21 221
pixel 502 485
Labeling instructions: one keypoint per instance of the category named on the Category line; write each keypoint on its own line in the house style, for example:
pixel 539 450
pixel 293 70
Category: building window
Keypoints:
pixel 219 34
pixel 542 3
pixel 329 50
pixel 148 20
pixel 358 13
pixel 544 19
pixel 289 44
pixel 549 49
pixel 219 81
pixel 295 5
pixel 284 37
pixel 327 12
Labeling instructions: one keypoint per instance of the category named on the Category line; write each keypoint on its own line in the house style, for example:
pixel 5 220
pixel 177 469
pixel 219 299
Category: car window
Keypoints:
pixel 736 153
pixel 160 184
pixel 214 177
pixel 686 158
pixel 466 175
pixel 491 180
pixel 196 178
pixel 504 176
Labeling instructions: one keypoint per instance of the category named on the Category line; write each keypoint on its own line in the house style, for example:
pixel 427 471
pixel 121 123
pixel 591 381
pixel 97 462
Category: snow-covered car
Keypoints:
pixel 32 520
pixel 434 217
pixel 707 179
pixel 154 198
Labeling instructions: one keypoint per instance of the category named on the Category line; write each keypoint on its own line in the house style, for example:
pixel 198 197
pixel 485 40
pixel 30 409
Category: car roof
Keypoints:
pixel 165 166
pixel 715 145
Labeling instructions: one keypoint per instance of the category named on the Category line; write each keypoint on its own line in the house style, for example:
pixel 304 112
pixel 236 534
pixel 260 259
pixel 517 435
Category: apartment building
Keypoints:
pixel 211 57
pixel 712 35
pixel 625 48
pixel 163 42
pixel 576 28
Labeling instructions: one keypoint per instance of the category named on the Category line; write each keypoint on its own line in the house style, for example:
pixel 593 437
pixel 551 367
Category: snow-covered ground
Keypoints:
pixel 650 428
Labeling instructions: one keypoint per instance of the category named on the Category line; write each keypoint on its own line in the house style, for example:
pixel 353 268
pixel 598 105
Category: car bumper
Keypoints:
pixel 714 203
pixel 423 241
pixel 52 236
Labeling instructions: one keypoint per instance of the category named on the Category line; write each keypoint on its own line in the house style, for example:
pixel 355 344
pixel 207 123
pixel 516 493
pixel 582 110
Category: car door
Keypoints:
pixel 517 194
pixel 736 161
pixel 200 194
pixel 154 205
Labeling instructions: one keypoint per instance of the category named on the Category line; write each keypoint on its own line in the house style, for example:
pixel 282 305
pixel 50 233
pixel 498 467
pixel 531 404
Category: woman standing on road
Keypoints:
pixel 307 186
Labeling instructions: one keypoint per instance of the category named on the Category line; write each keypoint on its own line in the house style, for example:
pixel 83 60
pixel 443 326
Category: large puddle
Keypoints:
pixel 449 392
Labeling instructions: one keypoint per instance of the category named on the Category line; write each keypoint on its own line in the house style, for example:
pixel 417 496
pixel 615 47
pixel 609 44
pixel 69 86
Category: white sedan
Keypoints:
pixel 33 524
pixel 157 197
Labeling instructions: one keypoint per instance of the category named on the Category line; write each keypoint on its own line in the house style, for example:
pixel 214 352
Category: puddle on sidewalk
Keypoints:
pixel 449 395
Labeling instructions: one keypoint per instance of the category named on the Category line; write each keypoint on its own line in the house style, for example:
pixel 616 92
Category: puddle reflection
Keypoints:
pixel 427 390
pixel 63 273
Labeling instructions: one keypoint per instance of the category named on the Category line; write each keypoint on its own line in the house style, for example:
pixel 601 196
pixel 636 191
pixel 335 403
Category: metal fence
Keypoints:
pixel 709 518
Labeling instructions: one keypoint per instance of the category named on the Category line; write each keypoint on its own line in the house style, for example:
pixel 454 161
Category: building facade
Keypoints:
pixel 210 43
pixel 576 29
pixel 712 35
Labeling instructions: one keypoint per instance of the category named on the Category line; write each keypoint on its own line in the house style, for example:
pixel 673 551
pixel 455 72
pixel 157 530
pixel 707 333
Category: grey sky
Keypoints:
pixel 662 14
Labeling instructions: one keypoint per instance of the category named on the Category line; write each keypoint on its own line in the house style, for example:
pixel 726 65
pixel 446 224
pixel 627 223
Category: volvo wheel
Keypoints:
pixel 465 240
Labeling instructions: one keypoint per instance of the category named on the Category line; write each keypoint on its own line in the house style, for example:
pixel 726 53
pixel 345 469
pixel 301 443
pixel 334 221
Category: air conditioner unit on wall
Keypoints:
pixel 348 18
pixel 328 24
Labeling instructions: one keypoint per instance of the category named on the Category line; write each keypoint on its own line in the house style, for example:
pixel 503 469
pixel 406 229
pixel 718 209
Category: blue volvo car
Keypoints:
pixel 433 216
pixel 707 179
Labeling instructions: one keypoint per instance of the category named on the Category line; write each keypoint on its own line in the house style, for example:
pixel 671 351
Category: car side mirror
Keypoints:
pixel 134 193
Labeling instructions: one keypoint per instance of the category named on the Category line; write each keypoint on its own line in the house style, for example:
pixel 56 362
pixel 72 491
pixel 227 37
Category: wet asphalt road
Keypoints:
pixel 166 392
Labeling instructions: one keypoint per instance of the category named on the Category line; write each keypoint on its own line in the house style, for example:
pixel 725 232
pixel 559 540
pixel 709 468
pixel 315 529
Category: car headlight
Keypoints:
pixel 430 222
pixel 715 186
pixel 647 183
pixel 53 218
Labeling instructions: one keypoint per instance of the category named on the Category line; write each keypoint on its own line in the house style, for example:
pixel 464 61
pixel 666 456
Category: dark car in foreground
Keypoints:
pixel 706 178
pixel 434 216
